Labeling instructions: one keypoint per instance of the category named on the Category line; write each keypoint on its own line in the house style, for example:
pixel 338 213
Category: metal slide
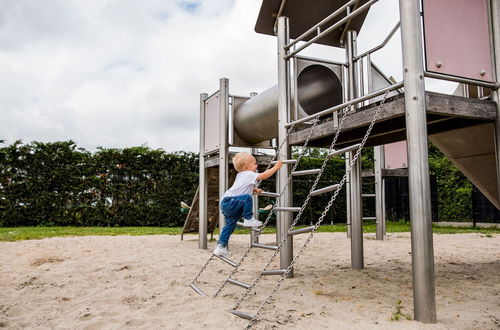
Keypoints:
pixel 472 150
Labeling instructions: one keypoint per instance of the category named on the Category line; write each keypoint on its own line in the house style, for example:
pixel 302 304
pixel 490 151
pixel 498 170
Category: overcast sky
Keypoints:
pixel 122 73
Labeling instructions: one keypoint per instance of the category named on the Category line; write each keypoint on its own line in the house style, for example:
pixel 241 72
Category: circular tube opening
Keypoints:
pixel 318 88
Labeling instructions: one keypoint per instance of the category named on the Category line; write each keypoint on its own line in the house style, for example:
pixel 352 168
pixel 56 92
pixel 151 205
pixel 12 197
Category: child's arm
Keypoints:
pixel 267 174
pixel 257 191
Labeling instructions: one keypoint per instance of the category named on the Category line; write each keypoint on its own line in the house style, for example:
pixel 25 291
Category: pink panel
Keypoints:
pixel 395 155
pixel 212 122
pixel 457 39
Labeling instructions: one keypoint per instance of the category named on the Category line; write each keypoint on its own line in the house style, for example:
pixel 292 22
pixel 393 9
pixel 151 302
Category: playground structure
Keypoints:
pixel 345 106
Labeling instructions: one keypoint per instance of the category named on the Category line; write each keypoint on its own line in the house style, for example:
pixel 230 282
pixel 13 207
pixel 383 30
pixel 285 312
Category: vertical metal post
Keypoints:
pixel 379 192
pixel 424 300
pixel 348 194
pixel 495 21
pixel 357 261
pixel 203 183
pixel 284 219
pixel 223 149
pixel 255 199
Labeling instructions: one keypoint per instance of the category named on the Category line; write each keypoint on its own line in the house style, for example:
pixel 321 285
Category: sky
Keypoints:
pixel 124 73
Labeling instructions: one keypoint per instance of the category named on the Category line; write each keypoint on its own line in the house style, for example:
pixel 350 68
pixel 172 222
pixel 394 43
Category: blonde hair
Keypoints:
pixel 240 160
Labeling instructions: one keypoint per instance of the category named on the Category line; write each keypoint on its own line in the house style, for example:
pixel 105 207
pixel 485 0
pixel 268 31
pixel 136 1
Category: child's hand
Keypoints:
pixel 257 191
pixel 278 165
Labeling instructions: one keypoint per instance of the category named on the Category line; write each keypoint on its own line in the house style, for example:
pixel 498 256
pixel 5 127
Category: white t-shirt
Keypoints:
pixel 243 184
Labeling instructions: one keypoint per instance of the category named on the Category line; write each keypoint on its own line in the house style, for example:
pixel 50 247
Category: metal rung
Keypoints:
pixel 226 260
pixel 265 246
pixel 344 150
pixel 268 194
pixel 242 315
pixel 369 218
pixel 300 231
pixel 243 226
pixel 325 190
pixel 368 195
pixel 286 161
pixel 274 272
pixel 198 290
pixel 306 172
pixel 287 209
pixel 239 283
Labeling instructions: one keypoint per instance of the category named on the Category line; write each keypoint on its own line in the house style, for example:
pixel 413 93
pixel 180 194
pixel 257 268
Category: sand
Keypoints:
pixel 143 282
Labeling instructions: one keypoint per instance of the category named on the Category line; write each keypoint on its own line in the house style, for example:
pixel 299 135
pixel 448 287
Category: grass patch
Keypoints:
pixel 25 233
pixel 398 314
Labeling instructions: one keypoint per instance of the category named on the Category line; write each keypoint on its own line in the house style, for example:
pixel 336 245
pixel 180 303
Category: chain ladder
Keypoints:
pixel 283 241
pixel 321 218
pixel 268 218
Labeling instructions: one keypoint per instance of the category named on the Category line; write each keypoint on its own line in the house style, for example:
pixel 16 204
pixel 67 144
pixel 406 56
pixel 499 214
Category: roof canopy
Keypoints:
pixel 304 14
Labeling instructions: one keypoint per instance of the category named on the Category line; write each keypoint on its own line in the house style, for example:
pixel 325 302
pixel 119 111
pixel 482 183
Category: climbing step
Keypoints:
pixel 368 195
pixel 306 172
pixel 274 272
pixel 265 246
pixel 243 315
pixel 268 194
pixel 344 150
pixel 198 290
pixel 226 260
pixel 287 209
pixel 325 190
pixel 300 231
pixel 286 161
pixel 239 283
pixel 369 218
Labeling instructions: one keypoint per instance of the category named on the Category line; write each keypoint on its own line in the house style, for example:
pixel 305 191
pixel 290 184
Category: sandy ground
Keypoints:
pixel 142 282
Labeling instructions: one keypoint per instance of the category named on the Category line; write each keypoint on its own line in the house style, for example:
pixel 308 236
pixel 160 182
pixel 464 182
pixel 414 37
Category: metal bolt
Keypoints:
pixel 439 64
pixel 482 72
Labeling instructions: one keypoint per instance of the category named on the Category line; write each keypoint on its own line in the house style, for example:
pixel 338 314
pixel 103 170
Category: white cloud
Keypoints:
pixel 120 73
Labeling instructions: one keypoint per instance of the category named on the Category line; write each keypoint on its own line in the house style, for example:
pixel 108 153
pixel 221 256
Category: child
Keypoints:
pixel 237 201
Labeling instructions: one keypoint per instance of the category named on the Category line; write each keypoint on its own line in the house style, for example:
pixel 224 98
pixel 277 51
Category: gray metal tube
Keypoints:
pixel 379 192
pixel 284 219
pixel 223 143
pixel 202 190
pixel 256 119
pixel 495 19
pixel 424 300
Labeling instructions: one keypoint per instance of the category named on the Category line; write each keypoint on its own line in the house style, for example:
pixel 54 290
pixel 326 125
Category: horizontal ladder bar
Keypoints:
pixel 239 283
pixel 287 209
pixel 300 231
pixel 274 272
pixel 226 260
pixel 265 246
pixel 198 290
pixel 346 104
pixel 368 195
pixel 369 218
pixel 344 150
pixel 286 161
pixel 268 194
pixel 242 315
pixel 306 172
pixel 324 190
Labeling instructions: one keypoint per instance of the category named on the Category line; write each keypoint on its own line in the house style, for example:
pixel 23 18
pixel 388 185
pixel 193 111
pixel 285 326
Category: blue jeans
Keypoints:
pixel 232 209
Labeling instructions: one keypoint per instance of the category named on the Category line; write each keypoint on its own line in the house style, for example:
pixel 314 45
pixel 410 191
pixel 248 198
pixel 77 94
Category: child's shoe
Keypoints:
pixel 252 223
pixel 221 251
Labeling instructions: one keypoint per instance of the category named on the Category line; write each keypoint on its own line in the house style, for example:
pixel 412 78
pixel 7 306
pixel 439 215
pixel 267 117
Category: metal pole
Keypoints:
pixel 348 195
pixel 495 20
pixel 203 186
pixel 424 300
pixel 223 149
pixel 355 182
pixel 254 238
pixel 284 219
pixel 379 193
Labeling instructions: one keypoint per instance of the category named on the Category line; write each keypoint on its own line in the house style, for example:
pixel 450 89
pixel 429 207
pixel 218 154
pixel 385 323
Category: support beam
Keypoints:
pixel 203 182
pixel 424 300
pixel 223 144
pixel 284 219
pixel 495 20
pixel 379 191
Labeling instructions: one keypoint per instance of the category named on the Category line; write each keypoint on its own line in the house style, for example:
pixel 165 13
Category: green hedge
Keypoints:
pixel 60 184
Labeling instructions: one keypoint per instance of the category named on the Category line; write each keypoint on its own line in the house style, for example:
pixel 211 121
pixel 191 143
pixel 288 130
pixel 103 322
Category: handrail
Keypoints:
pixel 346 104
pixel 331 28
pixel 386 40
pixel 323 21
pixel 280 11
pixel 435 75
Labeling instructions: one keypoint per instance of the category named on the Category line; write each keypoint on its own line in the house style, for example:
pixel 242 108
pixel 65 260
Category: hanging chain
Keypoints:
pixel 268 218
pixel 321 218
